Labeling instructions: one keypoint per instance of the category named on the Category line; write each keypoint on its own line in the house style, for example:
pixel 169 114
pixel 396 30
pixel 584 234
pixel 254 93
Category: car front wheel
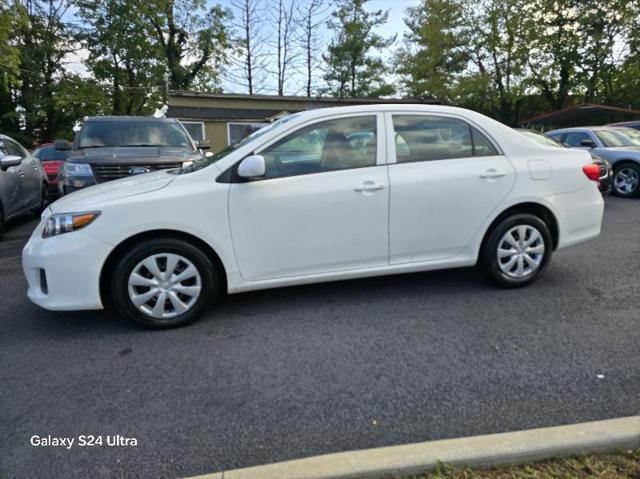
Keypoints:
pixel 164 283
pixel 45 199
pixel 626 180
pixel 517 251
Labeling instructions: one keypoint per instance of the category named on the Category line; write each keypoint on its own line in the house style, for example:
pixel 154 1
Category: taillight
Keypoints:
pixel 592 171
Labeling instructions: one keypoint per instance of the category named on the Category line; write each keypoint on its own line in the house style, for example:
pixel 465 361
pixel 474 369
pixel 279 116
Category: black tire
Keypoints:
pixel 209 281
pixel 45 199
pixel 490 263
pixel 616 188
pixel 1 222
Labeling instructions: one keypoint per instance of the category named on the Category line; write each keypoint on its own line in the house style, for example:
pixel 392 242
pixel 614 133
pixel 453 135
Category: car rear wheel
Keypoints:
pixel 626 180
pixel 517 251
pixel 164 283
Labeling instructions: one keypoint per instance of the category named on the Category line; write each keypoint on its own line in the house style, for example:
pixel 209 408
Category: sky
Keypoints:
pixel 394 25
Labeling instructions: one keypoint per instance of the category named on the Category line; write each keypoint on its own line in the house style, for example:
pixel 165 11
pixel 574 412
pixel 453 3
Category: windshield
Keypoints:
pixel 234 146
pixel 128 133
pixel 47 153
pixel 542 139
pixel 618 137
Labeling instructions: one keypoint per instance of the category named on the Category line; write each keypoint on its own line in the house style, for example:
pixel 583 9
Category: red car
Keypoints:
pixel 52 160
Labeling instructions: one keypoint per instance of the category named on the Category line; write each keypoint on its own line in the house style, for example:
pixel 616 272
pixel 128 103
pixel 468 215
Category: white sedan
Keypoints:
pixel 322 195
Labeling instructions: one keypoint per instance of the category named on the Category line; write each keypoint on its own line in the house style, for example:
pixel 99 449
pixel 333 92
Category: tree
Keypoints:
pixel 9 68
pixel 248 56
pixel 9 52
pixel 556 42
pixel 44 40
pixel 284 26
pixel 352 69
pixel 498 50
pixel 311 17
pixel 434 51
pixel 123 52
pixel 608 42
pixel 76 98
pixel 193 39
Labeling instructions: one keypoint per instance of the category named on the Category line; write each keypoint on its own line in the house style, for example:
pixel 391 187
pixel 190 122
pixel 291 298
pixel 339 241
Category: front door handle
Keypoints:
pixel 369 186
pixel 492 173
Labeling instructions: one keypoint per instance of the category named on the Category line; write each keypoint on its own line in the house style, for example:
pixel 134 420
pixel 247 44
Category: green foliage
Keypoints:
pixel 123 53
pixel 9 52
pixel 193 40
pixel 10 20
pixel 43 39
pixel 509 58
pixel 352 69
pixel 434 51
pixel 77 98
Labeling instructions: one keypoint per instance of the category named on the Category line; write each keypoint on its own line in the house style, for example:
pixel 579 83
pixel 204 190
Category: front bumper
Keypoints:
pixel 70 184
pixel 63 272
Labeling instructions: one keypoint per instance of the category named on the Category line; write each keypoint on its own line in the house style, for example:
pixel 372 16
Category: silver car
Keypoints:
pixel 23 182
pixel 620 146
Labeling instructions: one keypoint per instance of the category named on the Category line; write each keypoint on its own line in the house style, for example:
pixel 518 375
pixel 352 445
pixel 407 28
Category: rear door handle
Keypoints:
pixel 492 173
pixel 369 186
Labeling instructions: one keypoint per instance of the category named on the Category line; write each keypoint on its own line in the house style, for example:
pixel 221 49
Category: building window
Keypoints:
pixel 238 131
pixel 195 129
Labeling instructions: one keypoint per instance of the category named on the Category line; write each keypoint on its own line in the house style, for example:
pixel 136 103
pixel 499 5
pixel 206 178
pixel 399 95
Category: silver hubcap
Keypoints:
pixel 520 251
pixel 164 285
pixel 626 180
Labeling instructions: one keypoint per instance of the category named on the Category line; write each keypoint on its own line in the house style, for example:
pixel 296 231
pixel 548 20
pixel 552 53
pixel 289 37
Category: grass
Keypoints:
pixel 607 466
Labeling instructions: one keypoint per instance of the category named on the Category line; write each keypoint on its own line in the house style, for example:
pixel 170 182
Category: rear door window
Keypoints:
pixel 431 138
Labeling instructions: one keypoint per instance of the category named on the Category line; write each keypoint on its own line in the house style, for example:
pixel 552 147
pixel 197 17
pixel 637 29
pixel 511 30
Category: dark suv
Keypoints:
pixel 112 147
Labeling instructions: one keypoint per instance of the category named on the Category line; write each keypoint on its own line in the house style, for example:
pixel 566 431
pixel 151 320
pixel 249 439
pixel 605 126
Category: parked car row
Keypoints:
pixel 619 145
pixel 109 148
pixel 52 161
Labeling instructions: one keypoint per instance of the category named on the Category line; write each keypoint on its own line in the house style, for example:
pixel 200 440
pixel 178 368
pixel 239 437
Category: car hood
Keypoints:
pixel 132 155
pixel 87 198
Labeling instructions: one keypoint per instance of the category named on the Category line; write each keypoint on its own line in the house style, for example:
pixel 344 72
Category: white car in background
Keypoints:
pixel 322 195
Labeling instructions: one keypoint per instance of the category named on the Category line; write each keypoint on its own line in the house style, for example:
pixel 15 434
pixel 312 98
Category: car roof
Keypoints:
pixel 625 123
pixel 580 128
pixel 376 107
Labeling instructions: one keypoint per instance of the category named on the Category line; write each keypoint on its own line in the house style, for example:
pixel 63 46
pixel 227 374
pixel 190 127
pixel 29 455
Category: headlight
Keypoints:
pixel 78 169
pixel 186 164
pixel 60 223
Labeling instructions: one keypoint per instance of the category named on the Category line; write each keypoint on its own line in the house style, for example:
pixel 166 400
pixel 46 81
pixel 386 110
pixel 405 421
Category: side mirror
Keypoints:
pixel 252 167
pixel 587 143
pixel 62 145
pixel 10 160
pixel 204 144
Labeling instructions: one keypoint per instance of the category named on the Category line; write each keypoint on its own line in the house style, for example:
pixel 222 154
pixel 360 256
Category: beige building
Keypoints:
pixel 226 118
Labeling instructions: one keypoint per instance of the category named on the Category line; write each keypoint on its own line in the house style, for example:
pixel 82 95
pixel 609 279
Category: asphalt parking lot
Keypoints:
pixel 280 374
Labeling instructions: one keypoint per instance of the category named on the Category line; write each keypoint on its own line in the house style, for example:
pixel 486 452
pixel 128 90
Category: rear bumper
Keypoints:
pixel 579 215
pixel 63 272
